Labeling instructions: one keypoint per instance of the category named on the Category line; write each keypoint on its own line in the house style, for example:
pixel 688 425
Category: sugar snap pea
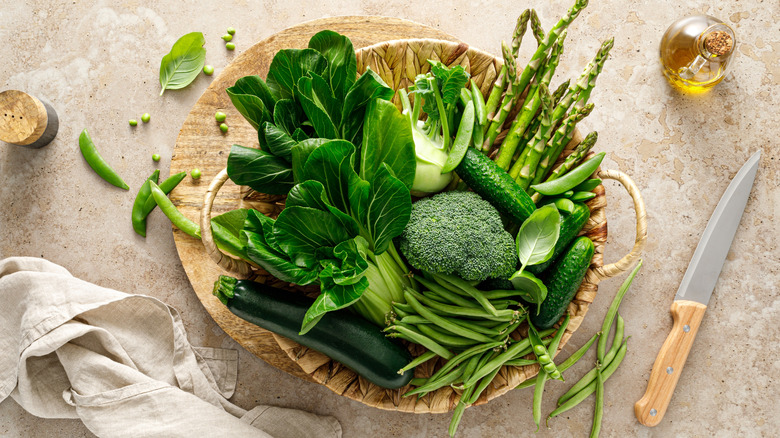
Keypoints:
pixel 97 163
pixel 588 185
pixel 541 351
pixel 566 364
pixel 571 179
pixel 166 186
pixel 462 138
pixel 137 217
pixel 564 204
pixel 173 213
pixel 510 353
pixel 582 196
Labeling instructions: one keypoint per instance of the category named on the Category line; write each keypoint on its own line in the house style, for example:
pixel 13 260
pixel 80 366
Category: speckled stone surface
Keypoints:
pixel 97 62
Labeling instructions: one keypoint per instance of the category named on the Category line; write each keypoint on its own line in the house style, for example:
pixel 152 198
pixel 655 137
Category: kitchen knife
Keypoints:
pixel 694 294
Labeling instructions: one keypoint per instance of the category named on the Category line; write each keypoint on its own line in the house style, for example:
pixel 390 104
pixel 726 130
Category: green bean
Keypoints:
pixel 414 320
pixel 433 385
pixel 546 370
pixel 521 363
pixel 419 360
pixel 465 355
pixel 403 309
pixel 536 409
pixel 173 213
pixel 485 358
pixel 606 326
pixel 443 338
pixel 498 361
pixel 448 309
pixel 418 381
pixel 418 338
pixel 572 179
pixel 591 388
pixel 97 163
pixel 459 409
pixel 566 364
pixel 137 217
pixel 487 331
pixel 470 290
pixel 599 409
pixel 453 298
pixel 474 362
pixel 541 352
pixel 590 376
pixel 443 322
pixel 483 384
pixel 166 186
pixel 498 294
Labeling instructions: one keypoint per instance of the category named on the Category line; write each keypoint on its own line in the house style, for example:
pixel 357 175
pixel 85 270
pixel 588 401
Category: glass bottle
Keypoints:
pixel 695 52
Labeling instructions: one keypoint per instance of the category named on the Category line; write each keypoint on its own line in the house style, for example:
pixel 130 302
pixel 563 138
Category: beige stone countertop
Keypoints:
pixel 97 62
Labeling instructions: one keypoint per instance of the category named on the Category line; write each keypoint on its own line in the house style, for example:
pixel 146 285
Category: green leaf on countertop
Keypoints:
pixel 183 63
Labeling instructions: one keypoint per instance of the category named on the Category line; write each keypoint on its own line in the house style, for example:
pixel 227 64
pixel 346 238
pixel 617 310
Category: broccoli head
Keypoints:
pixel 458 233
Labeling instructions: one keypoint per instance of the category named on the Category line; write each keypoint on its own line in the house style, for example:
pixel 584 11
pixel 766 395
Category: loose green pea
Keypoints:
pixel 227 37
pixel 230 46
pixel 220 116
pixel 156 157
pixel 231 30
pixel 208 70
pixel 223 127
pixel 146 117
pixel 195 173
pixel 133 122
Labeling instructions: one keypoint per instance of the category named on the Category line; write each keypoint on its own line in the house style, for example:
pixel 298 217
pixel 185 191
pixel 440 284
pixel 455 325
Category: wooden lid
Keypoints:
pixel 23 118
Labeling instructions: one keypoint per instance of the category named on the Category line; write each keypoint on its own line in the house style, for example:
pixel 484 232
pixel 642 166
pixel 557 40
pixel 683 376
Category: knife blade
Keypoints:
pixel 694 294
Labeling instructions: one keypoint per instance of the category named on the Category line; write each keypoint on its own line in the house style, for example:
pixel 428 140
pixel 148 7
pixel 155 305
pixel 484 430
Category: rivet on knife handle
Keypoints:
pixel 687 315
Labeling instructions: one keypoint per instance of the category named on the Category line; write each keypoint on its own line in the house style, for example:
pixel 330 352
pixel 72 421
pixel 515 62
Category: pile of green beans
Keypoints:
pixel 607 361
pixel 469 328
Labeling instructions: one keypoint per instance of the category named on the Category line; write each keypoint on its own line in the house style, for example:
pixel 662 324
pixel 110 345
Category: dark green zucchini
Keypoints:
pixel 562 281
pixel 571 224
pixel 495 185
pixel 342 336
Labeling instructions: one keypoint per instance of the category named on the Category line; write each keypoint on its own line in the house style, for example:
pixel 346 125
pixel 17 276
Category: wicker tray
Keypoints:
pixel 398 62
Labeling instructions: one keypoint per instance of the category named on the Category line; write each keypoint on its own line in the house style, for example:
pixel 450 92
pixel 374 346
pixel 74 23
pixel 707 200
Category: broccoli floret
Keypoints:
pixel 458 233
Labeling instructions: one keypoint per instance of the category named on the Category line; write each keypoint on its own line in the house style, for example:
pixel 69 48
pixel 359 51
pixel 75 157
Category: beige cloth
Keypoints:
pixel 122 363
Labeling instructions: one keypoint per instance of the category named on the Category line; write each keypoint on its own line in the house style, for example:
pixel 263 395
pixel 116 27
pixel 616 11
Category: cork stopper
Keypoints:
pixel 719 43
pixel 26 120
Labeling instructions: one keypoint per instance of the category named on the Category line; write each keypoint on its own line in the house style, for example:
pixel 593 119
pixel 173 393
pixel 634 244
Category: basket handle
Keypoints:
pixel 235 266
pixel 628 260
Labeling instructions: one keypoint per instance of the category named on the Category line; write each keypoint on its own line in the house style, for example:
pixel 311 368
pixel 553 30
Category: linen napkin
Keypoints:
pixel 122 363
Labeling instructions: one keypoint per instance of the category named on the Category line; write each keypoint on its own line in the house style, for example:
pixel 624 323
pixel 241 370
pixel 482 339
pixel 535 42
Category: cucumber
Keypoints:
pixel 562 282
pixel 571 224
pixel 343 336
pixel 495 185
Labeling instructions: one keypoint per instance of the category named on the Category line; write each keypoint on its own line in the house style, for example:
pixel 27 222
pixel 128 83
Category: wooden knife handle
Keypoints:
pixel 687 315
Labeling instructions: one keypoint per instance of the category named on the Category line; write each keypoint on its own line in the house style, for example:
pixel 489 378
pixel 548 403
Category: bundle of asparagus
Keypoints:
pixel 543 122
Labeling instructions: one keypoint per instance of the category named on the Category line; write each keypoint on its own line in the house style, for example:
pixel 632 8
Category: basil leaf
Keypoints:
pixel 252 98
pixel 226 230
pixel 529 287
pixel 387 141
pixel 368 87
pixel 318 103
pixel 278 142
pixel 342 64
pixel 183 63
pixel 259 170
pixel 288 66
pixel 536 239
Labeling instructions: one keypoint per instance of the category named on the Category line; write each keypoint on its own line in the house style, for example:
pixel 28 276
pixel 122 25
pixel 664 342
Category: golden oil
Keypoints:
pixel 695 52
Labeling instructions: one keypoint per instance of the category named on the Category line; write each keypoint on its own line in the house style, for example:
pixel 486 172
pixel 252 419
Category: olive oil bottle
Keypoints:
pixel 695 52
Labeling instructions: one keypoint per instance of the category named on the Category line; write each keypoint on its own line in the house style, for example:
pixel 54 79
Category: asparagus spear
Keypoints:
pixel 539 141
pixel 530 107
pixel 560 92
pixel 587 80
pixel 531 131
pixel 536 27
pixel 536 62
pixel 501 80
pixel 509 98
pixel 559 141
pixel 587 88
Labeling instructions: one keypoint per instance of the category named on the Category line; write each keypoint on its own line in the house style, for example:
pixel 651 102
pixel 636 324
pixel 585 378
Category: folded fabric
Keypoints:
pixel 122 363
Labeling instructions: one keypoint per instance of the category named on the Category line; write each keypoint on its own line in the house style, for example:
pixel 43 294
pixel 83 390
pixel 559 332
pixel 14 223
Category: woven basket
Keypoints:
pixel 398 63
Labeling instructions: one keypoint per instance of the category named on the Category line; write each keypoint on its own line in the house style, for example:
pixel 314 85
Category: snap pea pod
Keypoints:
pixel 590 389
pixel 173 213
pixel 565 365
pixel 443 322
pixel 564 204
pixel 590 376
pixel 588 185
pixel 97 163
pixel 166 186
pixel 541 352
pixel 137 218
pixel 544 374
pixel 509 354
pixel 419 360
pixel 582 196
pixel 572 179
pixel 606 326
pixel 411 335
